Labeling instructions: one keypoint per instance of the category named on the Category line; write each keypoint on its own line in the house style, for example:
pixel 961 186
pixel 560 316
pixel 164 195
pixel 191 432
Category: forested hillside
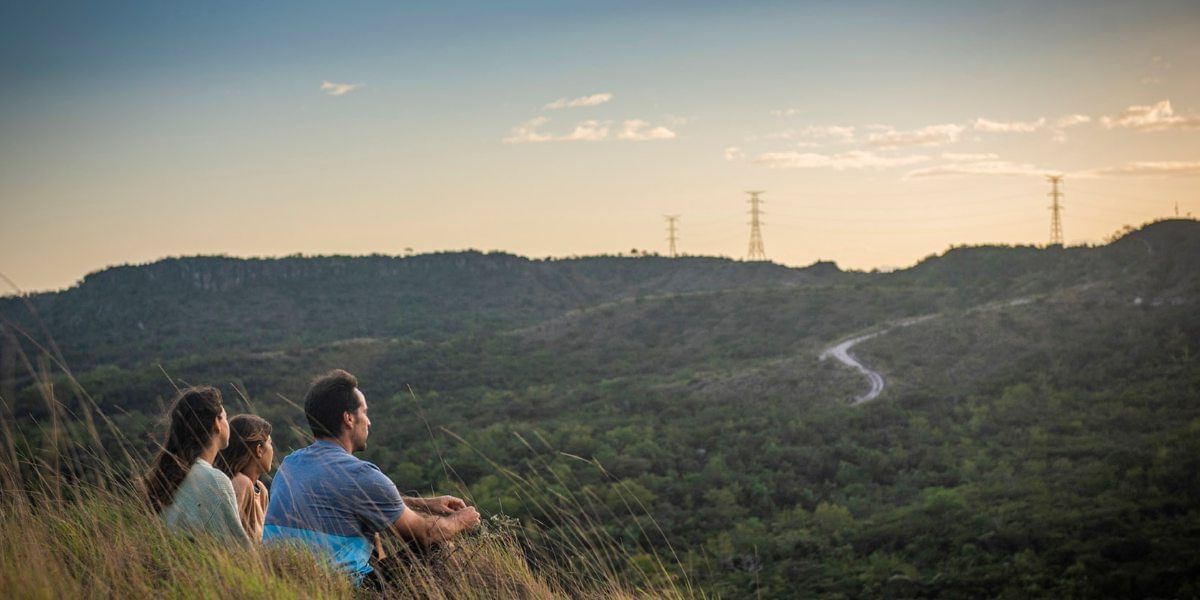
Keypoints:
pixel 1039 434
pixel 135 314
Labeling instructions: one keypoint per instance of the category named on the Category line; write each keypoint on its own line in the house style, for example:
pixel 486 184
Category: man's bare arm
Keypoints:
pixel 440 505
pixel 430 529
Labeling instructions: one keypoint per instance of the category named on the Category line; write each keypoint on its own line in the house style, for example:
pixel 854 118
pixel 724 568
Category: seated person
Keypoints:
pixel 250 454
pixel 324 497
pixel 182 486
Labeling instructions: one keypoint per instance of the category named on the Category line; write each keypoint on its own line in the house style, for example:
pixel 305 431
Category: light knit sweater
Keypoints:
pixel 205 504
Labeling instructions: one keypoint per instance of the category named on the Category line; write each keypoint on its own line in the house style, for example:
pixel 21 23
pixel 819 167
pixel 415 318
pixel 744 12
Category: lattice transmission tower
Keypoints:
pixel 1056 234
pixel 756 252
pixel 672 233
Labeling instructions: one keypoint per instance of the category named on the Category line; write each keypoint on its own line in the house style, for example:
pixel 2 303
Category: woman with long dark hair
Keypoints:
pixel 250 454
pixel 182 486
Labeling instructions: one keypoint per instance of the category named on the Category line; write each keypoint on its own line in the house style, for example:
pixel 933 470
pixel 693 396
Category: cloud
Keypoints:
pixel 338 89
pixel 1166 168
pixel 591 100
pixel 932 135
pixel 856 159
pixel 1071 121
pixel 587 131
pixel 591 130
pixel 991 126
pixel 734 153
pixel 638 130
pixel 1155 117
pixel 811 135
pixel 985 167
pixel 1151 80
pixel 1066 121
pixel 827 132
pixel 786 112
pixel 527 133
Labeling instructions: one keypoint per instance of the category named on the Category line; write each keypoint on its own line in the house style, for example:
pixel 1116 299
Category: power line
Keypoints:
pixel 1056 234
pixel 756 252
pixel 671 233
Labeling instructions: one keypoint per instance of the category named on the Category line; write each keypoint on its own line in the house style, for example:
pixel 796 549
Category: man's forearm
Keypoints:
pixel 441 529
pixel 417 503
pixel 440 521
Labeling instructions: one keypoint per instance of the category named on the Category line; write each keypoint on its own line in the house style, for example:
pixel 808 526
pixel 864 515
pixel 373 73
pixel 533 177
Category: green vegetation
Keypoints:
pixel 1040 436
pixel 96 537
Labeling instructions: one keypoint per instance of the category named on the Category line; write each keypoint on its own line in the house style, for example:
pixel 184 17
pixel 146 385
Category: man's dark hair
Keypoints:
pixel 330 396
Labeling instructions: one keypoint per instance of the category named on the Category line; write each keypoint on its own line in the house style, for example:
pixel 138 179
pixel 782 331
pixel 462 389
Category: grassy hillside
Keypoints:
pixel 1038 435
pixel 96 538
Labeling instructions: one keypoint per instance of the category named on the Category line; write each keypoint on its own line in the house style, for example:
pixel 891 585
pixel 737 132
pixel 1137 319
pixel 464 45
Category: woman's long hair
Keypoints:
pixel 246 432
pixel 193 425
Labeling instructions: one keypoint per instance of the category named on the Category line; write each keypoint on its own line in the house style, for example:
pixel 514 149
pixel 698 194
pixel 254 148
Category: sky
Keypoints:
pixel 880 132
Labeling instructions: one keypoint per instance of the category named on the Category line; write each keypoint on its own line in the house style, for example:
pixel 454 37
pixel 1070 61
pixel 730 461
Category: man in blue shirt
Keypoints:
pixel 324 497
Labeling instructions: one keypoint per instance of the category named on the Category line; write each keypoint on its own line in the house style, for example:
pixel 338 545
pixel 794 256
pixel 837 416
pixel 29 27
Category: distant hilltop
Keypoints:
pixel 155 311
pixel 214 273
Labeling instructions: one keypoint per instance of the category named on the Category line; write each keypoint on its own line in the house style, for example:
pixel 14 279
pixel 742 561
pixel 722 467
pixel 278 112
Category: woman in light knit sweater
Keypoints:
pixel 182 487
pixel 250 454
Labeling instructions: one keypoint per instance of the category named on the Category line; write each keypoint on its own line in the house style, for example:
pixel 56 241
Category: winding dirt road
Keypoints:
pixel 842 353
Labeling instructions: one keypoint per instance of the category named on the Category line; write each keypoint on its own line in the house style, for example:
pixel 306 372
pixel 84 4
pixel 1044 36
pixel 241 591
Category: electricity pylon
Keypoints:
pixel 1056 235
pixel 671 233
pixel 756 252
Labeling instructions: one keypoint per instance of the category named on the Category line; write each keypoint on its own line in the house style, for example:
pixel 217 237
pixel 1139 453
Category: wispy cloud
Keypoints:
pixel 984 167
pixel 587 131
pixel 1166 168
pixel 338 89
pixel 990 126
pixel 1071 120
pixel 734 153
pixel 932 135
pixel 634 130
pixel 811 135
pixel 855 159
pixel 1155 117
pixel 1064 122
pixel 592 100
pixel 832 133
pixel 527 132
pixel 637 130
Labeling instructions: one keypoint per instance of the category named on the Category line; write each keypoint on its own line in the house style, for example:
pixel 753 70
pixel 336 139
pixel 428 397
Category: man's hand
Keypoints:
pixel 467 517
pixel 440 506
pixel 446 505
pixel 430 530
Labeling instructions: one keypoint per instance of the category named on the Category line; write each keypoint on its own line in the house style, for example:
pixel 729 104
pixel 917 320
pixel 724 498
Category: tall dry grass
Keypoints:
pixel 72 524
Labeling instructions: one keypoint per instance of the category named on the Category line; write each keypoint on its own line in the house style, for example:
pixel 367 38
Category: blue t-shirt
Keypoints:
pixel 326 498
